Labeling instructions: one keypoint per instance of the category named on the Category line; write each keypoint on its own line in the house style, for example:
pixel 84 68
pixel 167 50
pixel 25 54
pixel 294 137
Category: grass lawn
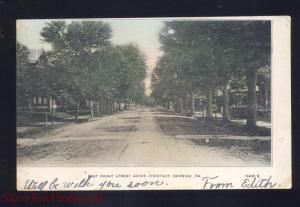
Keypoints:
pixel 30 118
pixel 241 129
pixel 39 130
pixel 33 122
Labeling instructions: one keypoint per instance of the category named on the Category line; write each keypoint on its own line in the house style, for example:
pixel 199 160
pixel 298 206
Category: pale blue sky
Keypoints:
pixel 143 32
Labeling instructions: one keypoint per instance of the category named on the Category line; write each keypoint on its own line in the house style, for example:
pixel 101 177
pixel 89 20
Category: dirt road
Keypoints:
pixel 142 137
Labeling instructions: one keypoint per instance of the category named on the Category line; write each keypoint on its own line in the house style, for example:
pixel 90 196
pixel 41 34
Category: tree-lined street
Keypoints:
pixel 83 71
pixel 143 137
pixel 210 100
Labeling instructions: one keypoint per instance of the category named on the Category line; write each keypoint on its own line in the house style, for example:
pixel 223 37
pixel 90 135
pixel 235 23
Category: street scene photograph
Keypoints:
pixel 143 92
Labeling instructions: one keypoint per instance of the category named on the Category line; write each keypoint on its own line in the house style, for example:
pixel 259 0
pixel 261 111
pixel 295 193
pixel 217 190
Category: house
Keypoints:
pixel 38 102
pixel 34 55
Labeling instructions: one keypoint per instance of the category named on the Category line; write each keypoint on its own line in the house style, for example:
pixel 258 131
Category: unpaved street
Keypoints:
pixel 143 137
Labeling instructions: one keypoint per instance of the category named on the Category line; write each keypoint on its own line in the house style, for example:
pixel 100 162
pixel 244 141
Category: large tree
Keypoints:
pixel 91 68
pixel 132 74
pixel 190 47
pixel 24 83
pixel 255 52
pixel 213 54
pixel 73 45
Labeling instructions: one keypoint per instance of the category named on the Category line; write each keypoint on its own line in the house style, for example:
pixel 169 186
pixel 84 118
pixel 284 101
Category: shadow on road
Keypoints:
pixel 236 142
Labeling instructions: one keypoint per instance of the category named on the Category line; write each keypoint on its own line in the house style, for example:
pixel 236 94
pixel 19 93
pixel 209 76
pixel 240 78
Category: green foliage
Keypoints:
pixel 24 84
pixel 132 86
pixel 82 65
pixel 200 55
pixel 38 131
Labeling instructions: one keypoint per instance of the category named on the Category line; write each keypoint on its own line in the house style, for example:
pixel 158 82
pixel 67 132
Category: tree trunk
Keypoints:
pixel 119 105
pixel 109 107
pixel 126 105
pixel 261 93
pixel 46 119
pixel 112 106
pixel 251 78
pixel 225 102
pixel 97 108
pixel 180 106
pixel 77 111
pixel 209 102
pixel 175 104
pixel 92 108
pixel 263 98
pixel 29 104
pixel 46 114
pixel 106 106
pixel 192 103
pixel 266 101
pixel 52 112
pixel 103 108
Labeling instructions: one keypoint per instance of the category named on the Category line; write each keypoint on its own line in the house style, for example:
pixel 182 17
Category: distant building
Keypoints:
pixel 34 55
pixel 38 102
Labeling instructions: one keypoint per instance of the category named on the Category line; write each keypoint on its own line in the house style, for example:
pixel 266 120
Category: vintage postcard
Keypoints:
pixel 154 103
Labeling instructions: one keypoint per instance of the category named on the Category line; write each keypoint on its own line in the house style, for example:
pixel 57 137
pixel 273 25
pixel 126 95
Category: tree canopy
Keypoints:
pixel 84 65
pixel 201 56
